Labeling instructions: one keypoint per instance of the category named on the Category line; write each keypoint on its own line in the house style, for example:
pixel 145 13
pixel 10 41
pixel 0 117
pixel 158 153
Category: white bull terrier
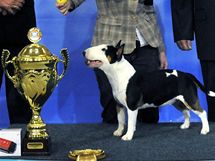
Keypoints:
pixel 137 90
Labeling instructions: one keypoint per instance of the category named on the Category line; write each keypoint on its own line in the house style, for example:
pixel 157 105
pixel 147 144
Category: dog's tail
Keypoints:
pixel 201 86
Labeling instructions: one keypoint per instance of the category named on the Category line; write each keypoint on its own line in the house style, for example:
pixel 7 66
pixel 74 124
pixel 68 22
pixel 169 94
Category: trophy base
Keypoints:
pixel 36 147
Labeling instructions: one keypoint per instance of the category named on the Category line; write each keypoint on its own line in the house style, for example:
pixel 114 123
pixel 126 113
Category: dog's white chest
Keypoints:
pixel 120 97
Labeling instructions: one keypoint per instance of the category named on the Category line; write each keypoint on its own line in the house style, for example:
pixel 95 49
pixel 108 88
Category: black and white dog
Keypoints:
pixel 134 90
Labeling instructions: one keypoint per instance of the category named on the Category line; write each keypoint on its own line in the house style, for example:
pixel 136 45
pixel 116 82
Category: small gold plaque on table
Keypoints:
pixel 87 155
pixel 35 77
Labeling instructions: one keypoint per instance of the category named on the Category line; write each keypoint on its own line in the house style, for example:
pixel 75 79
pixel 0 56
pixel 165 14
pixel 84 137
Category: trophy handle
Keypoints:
pixel 4 58
pixel 65 61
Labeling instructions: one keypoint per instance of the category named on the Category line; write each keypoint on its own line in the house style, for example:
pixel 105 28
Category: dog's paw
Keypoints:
pixel 118 132
pixel 127 137
pixel 205 131
pixel 184 126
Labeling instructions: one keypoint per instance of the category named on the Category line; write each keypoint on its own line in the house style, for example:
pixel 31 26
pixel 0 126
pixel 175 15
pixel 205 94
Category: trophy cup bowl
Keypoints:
pixel 35 77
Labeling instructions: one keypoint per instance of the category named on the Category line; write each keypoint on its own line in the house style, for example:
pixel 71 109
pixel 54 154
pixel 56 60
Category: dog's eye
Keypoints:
pixel 104 49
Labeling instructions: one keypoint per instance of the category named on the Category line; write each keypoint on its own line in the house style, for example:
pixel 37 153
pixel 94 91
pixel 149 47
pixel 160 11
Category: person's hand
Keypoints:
pixel 184 44
pixel 3 12
pixel 64 8
pixel 11 6
pixel 163 60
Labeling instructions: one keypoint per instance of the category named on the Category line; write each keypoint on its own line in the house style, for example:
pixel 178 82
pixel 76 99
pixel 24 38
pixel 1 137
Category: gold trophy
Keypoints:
pixel 35 77
pixel 87 155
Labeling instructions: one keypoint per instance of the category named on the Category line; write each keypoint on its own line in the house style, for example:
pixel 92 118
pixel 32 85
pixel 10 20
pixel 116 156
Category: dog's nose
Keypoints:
pixel 84 53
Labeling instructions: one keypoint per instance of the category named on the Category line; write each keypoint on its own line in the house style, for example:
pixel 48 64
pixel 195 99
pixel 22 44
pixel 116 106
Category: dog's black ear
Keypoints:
pixel 119 52
pixel 118 44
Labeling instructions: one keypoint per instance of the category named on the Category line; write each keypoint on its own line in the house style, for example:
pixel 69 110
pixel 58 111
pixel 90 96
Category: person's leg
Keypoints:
pixel 1 70
pixel 146 59
pixel 18 108
pixel 208 73
pixel 109 114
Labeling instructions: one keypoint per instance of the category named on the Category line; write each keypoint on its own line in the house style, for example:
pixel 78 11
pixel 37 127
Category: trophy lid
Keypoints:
pixel 34 52
pixel 87 154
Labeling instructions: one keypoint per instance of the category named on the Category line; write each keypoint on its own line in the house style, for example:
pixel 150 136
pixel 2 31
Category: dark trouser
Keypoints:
pixel 18 108
pixel 208 73
pixel 143 59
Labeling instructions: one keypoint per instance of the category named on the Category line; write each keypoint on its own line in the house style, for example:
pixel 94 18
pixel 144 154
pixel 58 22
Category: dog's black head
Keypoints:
pixel 100 55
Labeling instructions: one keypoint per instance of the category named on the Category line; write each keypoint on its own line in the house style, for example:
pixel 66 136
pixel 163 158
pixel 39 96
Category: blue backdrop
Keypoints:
pixel 76 98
